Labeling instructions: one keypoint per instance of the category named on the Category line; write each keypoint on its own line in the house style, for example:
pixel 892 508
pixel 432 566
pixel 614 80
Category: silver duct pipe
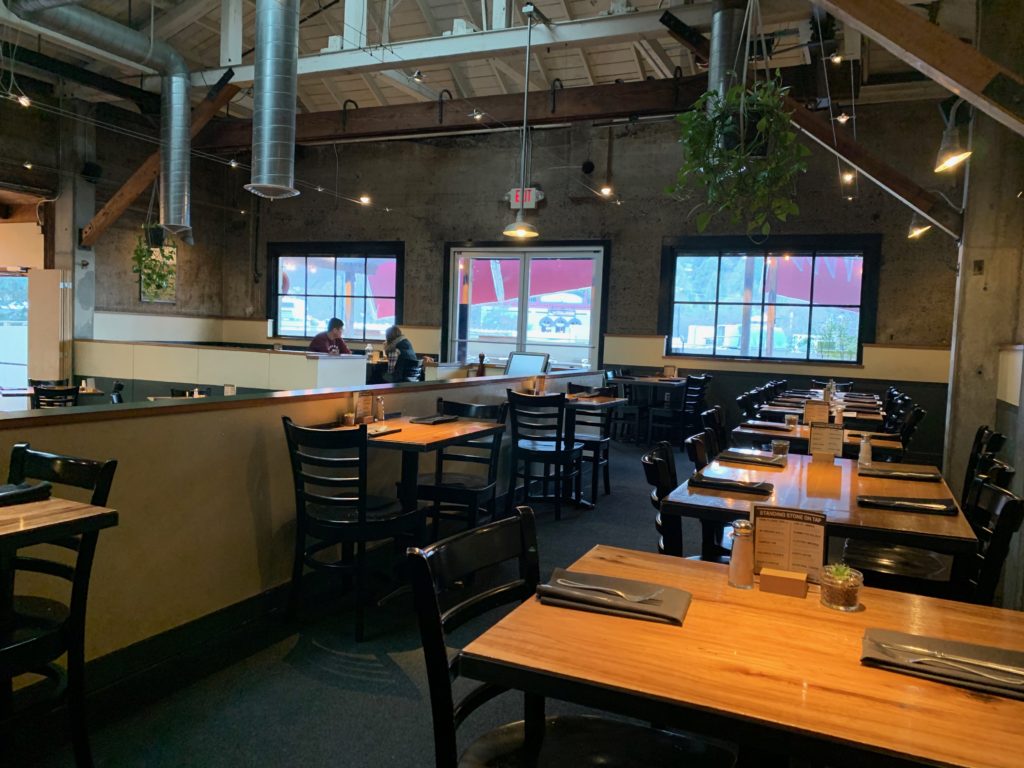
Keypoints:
pixel 23 7
pixel 726 34
pixel 175 113
pixel 275 89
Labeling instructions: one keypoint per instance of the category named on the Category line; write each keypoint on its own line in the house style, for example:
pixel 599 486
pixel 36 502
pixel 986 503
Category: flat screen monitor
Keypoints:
pixel 526 363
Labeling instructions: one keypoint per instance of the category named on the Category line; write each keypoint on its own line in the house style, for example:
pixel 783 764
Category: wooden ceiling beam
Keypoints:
pixel 147 173
pixel 642 99
pixel 944 58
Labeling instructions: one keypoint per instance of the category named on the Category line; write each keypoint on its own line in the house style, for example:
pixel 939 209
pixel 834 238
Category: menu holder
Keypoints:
pixel 789 539
pixel 363 408
pixel 815 410
pixel 826 441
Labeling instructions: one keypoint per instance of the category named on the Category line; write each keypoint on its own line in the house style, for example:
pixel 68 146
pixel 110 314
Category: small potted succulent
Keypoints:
pixel 840 587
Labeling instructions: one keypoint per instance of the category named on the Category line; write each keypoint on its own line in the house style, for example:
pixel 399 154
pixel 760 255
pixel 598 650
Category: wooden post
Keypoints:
pixel 147 173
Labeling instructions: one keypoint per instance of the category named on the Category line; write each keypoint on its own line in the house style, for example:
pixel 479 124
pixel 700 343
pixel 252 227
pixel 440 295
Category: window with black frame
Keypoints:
pixel 359 282
pixel 780 304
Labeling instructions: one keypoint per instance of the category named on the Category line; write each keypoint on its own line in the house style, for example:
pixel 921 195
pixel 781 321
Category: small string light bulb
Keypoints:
pixel 233 163
pixel 27 165
pixel 842 118
pixel 836 58
pixel 24 100
pixel 364 200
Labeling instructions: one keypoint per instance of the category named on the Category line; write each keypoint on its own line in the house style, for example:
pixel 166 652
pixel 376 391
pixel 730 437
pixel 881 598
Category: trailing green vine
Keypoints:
pixel 156 267
pixel 746 168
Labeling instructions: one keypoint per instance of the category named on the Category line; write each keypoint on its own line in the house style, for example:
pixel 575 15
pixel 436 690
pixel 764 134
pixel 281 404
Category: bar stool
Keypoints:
pixel 332 507
pixel 542 435
pixel 45 629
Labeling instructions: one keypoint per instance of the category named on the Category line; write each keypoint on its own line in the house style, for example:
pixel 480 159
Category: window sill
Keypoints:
pixel 767 360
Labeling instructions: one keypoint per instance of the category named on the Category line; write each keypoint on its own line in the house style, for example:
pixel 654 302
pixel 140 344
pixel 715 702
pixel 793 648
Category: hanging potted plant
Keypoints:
pixel 741 152
pixel 154 260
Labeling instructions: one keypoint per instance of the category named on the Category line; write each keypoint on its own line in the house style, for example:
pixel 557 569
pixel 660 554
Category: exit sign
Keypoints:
pixel 525 198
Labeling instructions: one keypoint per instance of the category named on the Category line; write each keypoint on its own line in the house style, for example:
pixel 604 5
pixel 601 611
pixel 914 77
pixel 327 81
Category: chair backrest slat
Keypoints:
pixel 347 456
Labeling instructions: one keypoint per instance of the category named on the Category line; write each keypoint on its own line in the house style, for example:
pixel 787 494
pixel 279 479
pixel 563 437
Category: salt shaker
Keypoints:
pixel 864 456
pixel 380 408
pixel 741 563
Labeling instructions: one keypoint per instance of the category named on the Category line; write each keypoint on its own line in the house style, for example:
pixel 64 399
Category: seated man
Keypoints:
pixel 329 342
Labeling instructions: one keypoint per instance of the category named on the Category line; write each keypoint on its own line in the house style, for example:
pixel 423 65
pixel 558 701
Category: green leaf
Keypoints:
pixel 766 228
pixel 703 219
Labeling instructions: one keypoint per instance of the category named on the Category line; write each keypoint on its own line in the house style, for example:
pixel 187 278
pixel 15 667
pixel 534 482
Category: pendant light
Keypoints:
pixel 918 226
pixel 519 228
pixel 951 151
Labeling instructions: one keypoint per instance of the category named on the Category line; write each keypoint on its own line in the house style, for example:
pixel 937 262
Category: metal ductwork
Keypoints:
pixel 175 113
pixel 275 89
pixel 726 36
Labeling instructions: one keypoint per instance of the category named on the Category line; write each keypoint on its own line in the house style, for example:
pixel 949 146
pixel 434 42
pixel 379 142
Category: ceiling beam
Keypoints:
pixel 657 57
pixel 645 98
pixel 947 60
pixel 176 19
pixel 497 42
pixel 897 184
pixel 148 172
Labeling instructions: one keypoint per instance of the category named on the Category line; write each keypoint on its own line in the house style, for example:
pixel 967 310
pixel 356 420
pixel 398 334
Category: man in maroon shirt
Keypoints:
pixel 329 342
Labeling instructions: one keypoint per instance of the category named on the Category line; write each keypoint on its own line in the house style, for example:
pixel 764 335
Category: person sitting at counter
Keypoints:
pixel 401 356
pixel 329 342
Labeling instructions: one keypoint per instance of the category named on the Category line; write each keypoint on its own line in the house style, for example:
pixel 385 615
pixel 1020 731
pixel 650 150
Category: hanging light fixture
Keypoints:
pixel 519 228
pixel 951 151
pixel 918 227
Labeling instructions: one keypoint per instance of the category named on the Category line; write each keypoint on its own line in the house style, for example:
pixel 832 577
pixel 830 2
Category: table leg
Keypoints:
pixel 6 619
pixel 533 726
pixel 410 474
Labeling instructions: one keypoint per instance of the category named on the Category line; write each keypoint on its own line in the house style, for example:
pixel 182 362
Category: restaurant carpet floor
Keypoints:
pixel 307 694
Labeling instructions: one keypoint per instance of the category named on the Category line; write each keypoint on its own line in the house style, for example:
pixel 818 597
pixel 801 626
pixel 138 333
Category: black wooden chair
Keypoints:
pixel 748 409
pixel 49 382
pixel 332 507
pixel 414 372
pixel 659 465
pixel 116 394
pixel 542 435
pixel 841 386
pixel 714 419
pixel 628 420
pixel 54 397
pixel 459 495
pixel 714 536
pixel 595 436
pixel 665 417
pixel 443 603
pixel 980 445
pixel 44 629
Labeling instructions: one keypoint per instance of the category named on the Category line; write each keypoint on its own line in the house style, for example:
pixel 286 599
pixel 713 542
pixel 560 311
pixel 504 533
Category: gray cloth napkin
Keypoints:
pixel 900 474
pixel 874 653
pixel 739 457
pixel 905 504
pixel 22 493
pixel 738 486
pixel 777 426
pixel 669 607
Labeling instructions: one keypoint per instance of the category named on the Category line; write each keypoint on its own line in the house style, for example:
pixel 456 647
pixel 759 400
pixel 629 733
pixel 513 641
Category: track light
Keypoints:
pixel 27 165
pixel 418 77
pixel 951 152
pixel 364 200
pixel 476 114
pixel 606 190
pixel 836 58
pixel 233 163
pixel 918 227
pixel 24 100
pixel 842 118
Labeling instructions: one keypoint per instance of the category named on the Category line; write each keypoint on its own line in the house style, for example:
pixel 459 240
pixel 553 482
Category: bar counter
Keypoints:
pixel 204 492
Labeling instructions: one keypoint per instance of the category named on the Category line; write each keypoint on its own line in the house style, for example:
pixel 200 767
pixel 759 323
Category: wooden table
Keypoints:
pixel 799 435
pixel 664 382
pixel 832 488
pixel 22 525
pixel 770 671
pixel 780 412
pixel 592 403
pixel 414 439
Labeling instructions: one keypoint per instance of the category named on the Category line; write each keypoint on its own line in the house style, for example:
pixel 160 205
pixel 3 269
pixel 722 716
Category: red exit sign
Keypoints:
pixel 525 198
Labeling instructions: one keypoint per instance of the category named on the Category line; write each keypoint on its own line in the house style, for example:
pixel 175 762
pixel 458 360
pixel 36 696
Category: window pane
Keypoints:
pixel 489 299
pixel 741 278
pixel 837 279
pixel 351 274
pixel 292 278
pixel 319 309
pixel 291 316
pixel 739 330
pixel 559 305
pixel 696 278
pixel 788 279
pixel 693 329
pixel 320 275
pixel 380 314
pixel 381 276
pixel 788 338
pixel 834 332
pixel 352 310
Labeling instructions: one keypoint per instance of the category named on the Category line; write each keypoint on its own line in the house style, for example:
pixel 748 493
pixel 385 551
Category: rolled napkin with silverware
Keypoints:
pixel 23 493
pixel 776 426
pixel 982 668
pixel 905 504
pixel 614 596
pixel 737 486
pixel 752 457
pixel 896 473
